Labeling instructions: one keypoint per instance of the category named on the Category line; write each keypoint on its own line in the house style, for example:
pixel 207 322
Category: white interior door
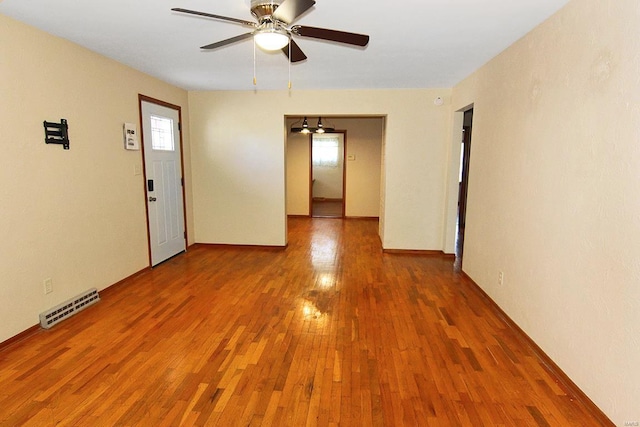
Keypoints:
pixel 163 173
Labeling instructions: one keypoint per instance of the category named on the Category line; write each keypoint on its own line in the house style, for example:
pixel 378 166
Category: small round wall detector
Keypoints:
pixel 438 101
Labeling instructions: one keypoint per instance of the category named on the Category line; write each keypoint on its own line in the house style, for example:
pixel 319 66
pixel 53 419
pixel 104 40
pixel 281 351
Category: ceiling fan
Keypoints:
pixel 273 31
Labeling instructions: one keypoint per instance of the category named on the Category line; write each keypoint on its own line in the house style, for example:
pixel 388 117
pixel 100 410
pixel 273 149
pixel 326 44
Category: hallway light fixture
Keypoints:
pixel 306 129
pixel 320 128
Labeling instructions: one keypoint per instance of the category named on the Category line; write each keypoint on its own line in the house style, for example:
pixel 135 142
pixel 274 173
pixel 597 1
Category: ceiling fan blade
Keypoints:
pixel 289 10
pixel 297 54
pixel 331 35
pixel 209 15
pixel 228 41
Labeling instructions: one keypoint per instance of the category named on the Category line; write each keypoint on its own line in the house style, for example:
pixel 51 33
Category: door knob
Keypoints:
pixel 152 199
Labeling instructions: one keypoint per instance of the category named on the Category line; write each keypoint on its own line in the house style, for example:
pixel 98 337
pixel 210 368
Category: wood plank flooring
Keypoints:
pixel 326 209
pixel 330 331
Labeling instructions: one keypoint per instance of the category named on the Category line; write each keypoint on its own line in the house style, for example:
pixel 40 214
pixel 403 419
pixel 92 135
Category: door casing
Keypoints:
pixel 141 99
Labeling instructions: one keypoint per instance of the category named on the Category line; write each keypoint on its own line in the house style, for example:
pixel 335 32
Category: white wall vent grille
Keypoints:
pixel 68 308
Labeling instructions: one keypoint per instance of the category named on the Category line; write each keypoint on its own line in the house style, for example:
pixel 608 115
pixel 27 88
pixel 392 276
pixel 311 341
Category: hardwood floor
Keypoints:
pixel 326 209
pixel 328 332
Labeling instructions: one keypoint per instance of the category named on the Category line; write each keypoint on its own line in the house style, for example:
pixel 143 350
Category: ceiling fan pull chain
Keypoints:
pixel 289 64
pixel 255 80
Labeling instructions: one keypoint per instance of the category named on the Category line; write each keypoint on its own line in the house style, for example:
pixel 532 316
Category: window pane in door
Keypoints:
pixel 162 133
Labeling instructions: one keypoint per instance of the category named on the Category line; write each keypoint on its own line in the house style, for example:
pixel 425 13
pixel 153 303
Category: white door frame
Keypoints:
pixel 141 99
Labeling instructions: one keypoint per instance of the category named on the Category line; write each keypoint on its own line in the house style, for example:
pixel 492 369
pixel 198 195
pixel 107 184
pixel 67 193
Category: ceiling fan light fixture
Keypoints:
pixel 271 38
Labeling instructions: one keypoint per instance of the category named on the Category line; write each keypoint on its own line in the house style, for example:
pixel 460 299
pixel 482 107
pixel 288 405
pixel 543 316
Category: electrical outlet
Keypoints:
pixel 500 278
pixel 48 286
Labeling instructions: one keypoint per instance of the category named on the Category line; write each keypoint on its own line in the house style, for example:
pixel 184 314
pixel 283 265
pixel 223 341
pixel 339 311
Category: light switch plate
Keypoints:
pixel 130 131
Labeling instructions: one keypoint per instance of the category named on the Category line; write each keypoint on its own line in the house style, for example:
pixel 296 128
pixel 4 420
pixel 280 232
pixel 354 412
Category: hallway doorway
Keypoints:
pixel 328 175
pixel 465 156
pixel 361 169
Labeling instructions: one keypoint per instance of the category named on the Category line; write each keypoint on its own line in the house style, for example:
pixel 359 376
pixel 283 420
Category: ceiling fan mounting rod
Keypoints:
pixel 264 8
pixel 271 24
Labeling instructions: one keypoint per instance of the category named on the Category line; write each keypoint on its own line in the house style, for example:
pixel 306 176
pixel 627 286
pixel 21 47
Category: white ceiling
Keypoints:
pixel 414 43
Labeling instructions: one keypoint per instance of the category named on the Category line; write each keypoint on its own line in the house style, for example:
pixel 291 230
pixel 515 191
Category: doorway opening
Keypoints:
pixel 327 184
pixel 465 156
pixel 362 168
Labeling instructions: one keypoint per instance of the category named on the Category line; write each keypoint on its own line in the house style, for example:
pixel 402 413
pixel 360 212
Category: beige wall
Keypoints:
pixel 238 143
pixel 554 193
pixel 364 142
pixel 77 216
pixel 297 165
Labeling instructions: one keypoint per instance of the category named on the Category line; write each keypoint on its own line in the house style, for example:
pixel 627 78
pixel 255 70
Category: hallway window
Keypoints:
pixel 325 151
